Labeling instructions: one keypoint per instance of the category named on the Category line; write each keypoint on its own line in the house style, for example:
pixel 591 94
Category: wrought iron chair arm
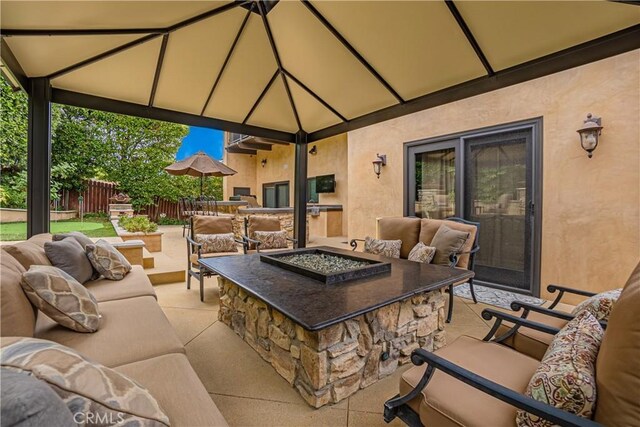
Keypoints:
pixel 192 242
pixel 453 256
pixel 526 307
pixel 292 240
pixel 562 289
pixel 354 243
pixel 488 314
pixel 513 398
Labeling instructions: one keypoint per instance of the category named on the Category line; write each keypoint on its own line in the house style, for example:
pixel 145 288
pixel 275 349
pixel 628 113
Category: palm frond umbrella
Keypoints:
pixel 200 165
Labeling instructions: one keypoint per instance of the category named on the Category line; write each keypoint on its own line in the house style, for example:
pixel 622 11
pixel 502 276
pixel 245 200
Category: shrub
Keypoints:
pixel 137 224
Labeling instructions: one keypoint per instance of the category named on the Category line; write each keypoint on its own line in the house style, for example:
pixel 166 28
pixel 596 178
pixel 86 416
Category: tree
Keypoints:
pixel 13 130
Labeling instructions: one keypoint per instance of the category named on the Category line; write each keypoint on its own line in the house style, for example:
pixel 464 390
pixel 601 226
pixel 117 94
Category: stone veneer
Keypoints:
pixel 329 365
pixel 286 222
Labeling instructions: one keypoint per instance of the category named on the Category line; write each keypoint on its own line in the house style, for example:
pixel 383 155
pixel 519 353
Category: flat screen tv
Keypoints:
pixel 326 184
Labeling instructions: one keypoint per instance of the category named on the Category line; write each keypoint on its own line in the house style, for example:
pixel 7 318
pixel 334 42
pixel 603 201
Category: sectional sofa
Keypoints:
pixel 135 337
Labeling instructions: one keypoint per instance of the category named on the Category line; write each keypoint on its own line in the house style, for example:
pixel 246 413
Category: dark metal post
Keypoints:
pixel 39 157
pixel 300 191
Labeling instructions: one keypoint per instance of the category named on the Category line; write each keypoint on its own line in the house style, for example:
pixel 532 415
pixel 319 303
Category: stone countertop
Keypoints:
pixel 315 305
pixel 322 208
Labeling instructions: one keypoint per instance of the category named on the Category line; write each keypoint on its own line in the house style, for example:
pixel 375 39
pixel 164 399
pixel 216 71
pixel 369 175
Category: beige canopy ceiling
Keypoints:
pixel 291 65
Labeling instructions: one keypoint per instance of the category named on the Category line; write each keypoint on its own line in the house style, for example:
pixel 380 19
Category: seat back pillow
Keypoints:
pixel 85 387
pixel 566 376
pixel 217 243
pixel 62 298
pixel 271 239
pixel 388 248
pixel 28 254
pixel 599 305
pixel 69 256
pixel 447 241
pixel 422 253
pixel 107 260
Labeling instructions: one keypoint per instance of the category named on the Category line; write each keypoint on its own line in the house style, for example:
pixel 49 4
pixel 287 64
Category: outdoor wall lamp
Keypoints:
pixel 313 151
pixel 263 162
pixel 381 160
pixel 590 133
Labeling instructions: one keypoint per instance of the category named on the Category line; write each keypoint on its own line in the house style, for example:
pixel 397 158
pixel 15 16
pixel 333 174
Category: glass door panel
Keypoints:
pixel 435 192
pixel 282 195
pixel 497 191
pixel 269 197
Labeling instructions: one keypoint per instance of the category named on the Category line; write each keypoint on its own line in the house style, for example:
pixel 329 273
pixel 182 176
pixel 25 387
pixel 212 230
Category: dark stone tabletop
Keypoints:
pixel 315 305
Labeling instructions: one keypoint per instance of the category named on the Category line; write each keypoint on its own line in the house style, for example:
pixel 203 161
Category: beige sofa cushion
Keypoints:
pixel 470 407
pixel 28 253
pixel 40 239
pixel 17 315
pixel 177 388
pixel 131 329
pixel 134 284
pixel 618 364
pixel 400 228
pixel 429 228
pixel 207 224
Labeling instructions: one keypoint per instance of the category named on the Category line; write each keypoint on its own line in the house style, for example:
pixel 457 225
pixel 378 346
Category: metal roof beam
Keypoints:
pixel 613 44
pixel 352 50
pixel 14 68
pixel 316 96
pixel 262 94
pixel 226 60
pixel 272 42
pixel 156 76
pixel 76 99
pixel 469 35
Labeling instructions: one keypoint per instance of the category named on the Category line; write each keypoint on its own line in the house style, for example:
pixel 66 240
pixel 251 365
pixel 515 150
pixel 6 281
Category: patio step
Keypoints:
pixel 164 270
pixel 148 260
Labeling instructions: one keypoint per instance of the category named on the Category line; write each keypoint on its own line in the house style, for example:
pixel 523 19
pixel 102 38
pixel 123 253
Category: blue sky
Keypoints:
pixel 210 141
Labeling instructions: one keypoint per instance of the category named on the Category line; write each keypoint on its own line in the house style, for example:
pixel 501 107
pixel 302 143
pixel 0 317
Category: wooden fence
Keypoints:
pixel 96 200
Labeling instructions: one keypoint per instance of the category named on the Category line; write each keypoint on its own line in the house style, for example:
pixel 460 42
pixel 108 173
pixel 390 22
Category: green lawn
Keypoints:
pixel 92 227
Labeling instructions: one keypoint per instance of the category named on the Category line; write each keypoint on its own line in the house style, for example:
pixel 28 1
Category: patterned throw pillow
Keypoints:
pixel 422 253
pixel 271 239
pixel 107 260
pixel 599 305
pixel 388 248
pixel 61 297
pixel 566 377
pixel 213 243
pixel 85 387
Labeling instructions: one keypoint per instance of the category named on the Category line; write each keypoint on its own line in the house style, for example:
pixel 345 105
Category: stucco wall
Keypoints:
pixel 591 207
pixel 244 164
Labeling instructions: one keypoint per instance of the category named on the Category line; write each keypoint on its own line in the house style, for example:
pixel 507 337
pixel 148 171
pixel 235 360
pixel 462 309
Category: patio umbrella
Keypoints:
pixel 200 165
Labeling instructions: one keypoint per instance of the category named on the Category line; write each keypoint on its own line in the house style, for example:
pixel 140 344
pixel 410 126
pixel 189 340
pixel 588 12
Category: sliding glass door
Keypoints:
pixel 485 177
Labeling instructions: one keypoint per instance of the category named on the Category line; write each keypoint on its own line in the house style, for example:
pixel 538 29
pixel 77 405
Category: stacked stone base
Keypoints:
pixel 286 222
pixel 329 365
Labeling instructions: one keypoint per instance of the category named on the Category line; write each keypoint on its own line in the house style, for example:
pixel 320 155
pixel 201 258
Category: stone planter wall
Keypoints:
pixel 329 365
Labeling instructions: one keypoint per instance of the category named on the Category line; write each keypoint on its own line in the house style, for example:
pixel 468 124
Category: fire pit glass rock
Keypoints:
pixel 324 263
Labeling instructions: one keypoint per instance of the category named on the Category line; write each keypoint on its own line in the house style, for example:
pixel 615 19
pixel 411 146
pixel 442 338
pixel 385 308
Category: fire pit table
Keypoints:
pixel 327 336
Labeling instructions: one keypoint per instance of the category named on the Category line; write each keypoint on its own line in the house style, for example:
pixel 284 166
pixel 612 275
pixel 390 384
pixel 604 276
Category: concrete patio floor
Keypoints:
pixel 247 390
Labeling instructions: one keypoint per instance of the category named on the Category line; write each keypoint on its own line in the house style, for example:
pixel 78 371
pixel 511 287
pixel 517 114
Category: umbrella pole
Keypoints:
pixel 201 181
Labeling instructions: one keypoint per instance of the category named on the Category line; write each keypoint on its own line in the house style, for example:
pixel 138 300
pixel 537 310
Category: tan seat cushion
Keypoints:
pixel 40 239
pixel 28 253
pixel 529 341
pixel 18 316
pixel 207 224
pixel 618 364
pixel 177 388
pixel 448 401
pixel 400 228
pixel 429 228
pixel 134 284
pixel 130 330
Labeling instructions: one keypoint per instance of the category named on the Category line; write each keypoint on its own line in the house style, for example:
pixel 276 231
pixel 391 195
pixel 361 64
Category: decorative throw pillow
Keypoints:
pixel 388 248
pixel 81 238
pixel 27 254
pixel 213 243
pixel 107 260
pixel 599 305
pixel 271 239
pixel 84 386
pixel 566 377
pixel 61 297
pixel 28 402
pixel 69 257
pixel 422 253
pixel 447 241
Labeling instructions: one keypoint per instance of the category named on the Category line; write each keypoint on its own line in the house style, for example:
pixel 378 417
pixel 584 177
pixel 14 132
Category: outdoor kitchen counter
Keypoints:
pixel 329 341
pixel 315 305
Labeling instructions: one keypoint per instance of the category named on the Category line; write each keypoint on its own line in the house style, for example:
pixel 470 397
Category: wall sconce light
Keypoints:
pixel 263 162
pixel 313 151
pixel 381 160
pixel 590 133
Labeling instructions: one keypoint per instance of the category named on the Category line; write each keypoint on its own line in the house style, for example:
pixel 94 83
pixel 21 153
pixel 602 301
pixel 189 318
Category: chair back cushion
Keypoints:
pixel 17 315
pixel 388 248
pixel 618 364
pixel 28 253
pixel 208 224
pixel 262 223
pixel 400 228
pixel 429 228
